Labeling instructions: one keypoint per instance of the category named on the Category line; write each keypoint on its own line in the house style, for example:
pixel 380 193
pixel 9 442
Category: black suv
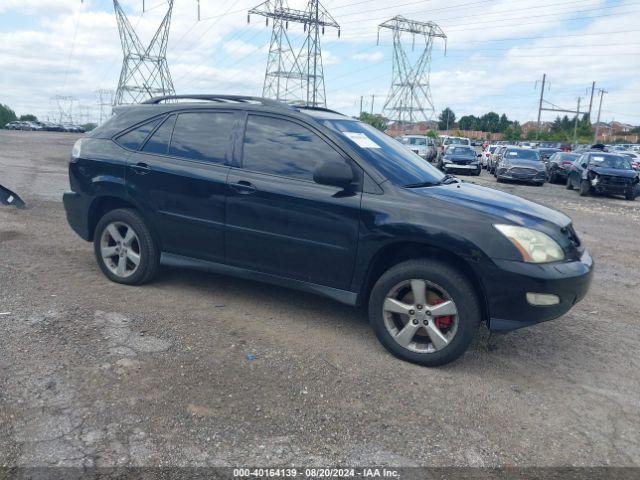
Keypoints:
pixel 601 172
pixel 315 200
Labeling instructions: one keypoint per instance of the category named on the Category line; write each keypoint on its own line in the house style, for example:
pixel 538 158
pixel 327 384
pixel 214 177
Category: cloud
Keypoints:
pixel 368 57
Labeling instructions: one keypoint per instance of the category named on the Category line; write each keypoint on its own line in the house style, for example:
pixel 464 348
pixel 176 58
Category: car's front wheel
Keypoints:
pixel 584 188
pixel 125 248
pixel 425 312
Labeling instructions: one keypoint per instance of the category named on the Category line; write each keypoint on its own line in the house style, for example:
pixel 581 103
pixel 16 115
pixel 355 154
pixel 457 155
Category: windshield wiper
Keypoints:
pixel 448 178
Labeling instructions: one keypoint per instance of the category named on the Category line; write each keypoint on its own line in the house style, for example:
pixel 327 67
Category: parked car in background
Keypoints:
pixel 446 140
pixel 486 155
pixel 495 157
pixel 461 159
pixel 35 126
pixel 420 144
pixel 601 172
pixel 15 125
pixel 311 199
pixel 559 165
pixel 53 127
pixel 633 157
pixel 522 164
pixel 546 152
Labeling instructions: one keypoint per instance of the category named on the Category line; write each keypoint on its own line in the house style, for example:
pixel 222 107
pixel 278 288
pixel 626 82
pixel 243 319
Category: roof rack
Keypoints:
pixel 218 98
pixel 311 107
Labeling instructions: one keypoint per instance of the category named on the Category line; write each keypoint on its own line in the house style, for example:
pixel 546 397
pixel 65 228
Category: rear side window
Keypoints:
pixel 281 147
pixel 134 138
pixel 202 136
pixel 159 141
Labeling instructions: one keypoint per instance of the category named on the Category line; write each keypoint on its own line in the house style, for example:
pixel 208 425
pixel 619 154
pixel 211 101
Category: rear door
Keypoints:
pixel 279 221
pixel 179 176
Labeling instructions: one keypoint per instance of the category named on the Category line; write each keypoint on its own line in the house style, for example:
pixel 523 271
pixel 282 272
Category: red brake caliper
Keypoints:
pixel 442 322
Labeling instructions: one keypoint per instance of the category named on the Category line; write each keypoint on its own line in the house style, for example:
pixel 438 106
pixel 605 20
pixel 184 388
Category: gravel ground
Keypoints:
pixel 198 369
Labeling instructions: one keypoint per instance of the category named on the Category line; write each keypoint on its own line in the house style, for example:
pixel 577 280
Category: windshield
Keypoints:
pixel 395 162
pixel 521 154
pixel 456 141
pixel 421 142
pixel 492 149
pixel 568 157
pixel 461 151
pixel 610 161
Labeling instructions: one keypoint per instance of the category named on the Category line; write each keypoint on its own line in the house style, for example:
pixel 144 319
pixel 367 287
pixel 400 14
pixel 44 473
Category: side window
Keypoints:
pixel 159 141
pixel 202 136
pixel 281 147
pixel 133 139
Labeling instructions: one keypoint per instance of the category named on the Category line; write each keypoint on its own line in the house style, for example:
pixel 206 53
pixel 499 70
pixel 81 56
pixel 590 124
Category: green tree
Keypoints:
pixel 6 115
pixel 503 123
pixel 447 119
pixel 490 122
pixel 468 122
pixel 28 118
pixel 512 132
pixel 375 120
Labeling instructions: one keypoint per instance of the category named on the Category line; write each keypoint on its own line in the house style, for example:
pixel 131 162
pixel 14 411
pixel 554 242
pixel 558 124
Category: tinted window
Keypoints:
pixel 522 154
pixel 202 136
pixel 610 161
pixel 456 141
pixel 463 151
pixel 133 139
pixel 281 147
pixel 395 162
pixel 159 141
pixel 417 141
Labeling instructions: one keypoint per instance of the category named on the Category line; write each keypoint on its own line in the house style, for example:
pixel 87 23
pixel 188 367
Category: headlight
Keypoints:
pixel 533 245
pixel 77 149
pixel 595 180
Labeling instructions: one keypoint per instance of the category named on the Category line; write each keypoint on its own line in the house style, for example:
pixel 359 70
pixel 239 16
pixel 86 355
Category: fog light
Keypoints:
pixel 594 182
pixel 542 299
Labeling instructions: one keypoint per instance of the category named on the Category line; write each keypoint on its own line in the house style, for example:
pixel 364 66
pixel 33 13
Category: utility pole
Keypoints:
pixel 409 96
pixel 289 76
pixel 575 125
pixel 373 99
pixel 361 97
pixel 593 87
pixel 145 72
pixel 544 80
pixel 595 137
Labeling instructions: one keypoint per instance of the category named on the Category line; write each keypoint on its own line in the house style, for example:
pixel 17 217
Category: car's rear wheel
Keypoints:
pixel 584 188
pixel 569 185
pixel 125 248
pixel 553 178
pixel 630 195
pixel 425 312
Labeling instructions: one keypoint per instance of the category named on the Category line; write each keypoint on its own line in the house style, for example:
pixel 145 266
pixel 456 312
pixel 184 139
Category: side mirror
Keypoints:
pixel 336 174
pixel 583 164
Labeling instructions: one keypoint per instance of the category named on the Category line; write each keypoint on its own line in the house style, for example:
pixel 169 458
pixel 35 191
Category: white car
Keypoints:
pixel 486 155
pixel 418 144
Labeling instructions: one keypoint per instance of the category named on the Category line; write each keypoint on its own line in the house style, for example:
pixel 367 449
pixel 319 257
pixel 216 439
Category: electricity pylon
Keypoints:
pixel 409 98
pixel 105 102
pixel 296 78
pixel 145 72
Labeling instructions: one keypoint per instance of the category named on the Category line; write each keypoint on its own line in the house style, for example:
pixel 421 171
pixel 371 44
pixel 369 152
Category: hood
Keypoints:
pixel 518 162
pixel 614 172
pixel 496 203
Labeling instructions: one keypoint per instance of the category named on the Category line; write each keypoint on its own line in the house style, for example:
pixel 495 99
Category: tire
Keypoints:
pixel 630 196
pixel 443 278
pixel 144 245
pixel 539 184
pixel 553 178
pixel 569 185
pixel 584 188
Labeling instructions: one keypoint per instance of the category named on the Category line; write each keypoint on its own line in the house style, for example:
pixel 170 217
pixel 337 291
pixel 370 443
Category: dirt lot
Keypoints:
pixel 95 373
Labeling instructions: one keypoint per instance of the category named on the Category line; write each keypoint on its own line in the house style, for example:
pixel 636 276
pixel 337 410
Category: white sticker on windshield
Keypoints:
pixel 597 159
pixel 513 154
pixel 361 140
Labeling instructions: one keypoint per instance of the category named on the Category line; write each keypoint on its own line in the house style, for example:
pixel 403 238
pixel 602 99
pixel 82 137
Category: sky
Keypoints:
pixel 496 52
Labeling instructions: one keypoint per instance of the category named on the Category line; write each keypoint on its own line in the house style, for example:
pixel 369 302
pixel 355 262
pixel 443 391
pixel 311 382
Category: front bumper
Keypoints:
pixel 507 174
pixel 458 166
pixel 77 208
pixel 508 282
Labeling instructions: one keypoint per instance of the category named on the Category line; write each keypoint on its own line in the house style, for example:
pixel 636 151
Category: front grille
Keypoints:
pixel 611 180
pixel 523 171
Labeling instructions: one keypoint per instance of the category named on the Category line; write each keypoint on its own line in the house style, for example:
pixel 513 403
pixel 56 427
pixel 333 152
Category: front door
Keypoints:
pixel 278 220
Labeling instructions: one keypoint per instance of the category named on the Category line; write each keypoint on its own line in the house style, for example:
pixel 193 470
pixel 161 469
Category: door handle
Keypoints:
pixel 141 168
pixel 243 187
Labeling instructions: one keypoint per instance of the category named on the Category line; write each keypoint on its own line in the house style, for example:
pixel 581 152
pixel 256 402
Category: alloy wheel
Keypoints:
pixel 120 249
pixel 420 316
